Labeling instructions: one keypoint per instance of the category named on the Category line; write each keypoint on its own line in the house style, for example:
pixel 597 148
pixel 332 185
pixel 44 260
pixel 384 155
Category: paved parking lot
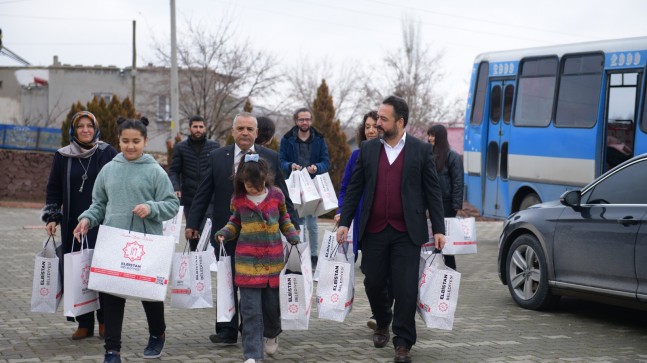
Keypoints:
pixel 489 327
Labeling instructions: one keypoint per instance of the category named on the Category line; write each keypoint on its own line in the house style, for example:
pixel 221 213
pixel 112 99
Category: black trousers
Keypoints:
pixel 391 255
pixel 113 311
pixel 230 328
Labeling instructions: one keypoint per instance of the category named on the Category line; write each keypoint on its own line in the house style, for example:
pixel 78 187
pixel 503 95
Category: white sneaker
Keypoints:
pixel 271 345
pixel 250 360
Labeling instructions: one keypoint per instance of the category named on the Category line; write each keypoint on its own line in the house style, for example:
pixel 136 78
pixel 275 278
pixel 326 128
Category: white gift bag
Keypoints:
pixel 191 281
pixel 296 288
pixel 294 189
pixel 328 246
pixel 326 191
pixel 437 293
pixel 47 284
pixel 336 287
pixel 460 234
pixel 309 196
pixel 173 226
pixel 225 302
pixel 78 299
pixel 131 264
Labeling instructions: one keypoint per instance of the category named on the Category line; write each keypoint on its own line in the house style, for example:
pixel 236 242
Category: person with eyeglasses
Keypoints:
pixel 304 147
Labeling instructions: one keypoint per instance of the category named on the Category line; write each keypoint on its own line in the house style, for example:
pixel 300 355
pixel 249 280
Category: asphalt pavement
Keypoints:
pixel 488 326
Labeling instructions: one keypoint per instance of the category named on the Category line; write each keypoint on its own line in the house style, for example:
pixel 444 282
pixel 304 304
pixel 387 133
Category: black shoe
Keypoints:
pixel 222 339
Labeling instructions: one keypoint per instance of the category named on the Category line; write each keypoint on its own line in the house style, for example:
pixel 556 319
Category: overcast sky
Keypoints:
pixel 99 32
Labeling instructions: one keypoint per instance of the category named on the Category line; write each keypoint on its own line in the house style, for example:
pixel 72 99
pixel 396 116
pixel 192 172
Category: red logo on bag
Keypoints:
pixel 199 286
pixel 134 251
pixel 85 275
pixel 334 298
pixel 443 306
pixel 293 308
pixel 183 268
pixel 44 291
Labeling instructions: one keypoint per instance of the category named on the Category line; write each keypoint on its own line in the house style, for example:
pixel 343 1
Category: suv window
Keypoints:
pixel 626 186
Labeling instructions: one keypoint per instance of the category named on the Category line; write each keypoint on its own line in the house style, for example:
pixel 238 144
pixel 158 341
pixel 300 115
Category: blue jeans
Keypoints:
pixel 310 223
pixel 261 313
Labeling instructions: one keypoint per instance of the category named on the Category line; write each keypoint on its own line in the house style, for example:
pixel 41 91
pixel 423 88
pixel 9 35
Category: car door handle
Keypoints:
pixel 628 221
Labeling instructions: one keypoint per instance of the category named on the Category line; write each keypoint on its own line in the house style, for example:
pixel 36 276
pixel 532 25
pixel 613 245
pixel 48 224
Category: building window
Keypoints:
pixel 164 107
pixel 106 97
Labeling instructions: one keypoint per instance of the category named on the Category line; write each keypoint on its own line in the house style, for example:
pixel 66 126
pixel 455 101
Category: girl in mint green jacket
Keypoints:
pixel 132 183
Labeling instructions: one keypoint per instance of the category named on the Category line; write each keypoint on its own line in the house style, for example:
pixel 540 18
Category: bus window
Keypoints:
pixel 620 117
pixel 495 104
pixel 492 162
pixel 504 161
pixel 536 91
pixel 507 103
pixel 579 90
pixel 479 95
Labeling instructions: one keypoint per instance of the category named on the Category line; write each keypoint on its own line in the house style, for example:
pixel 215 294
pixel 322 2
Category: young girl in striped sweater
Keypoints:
pixel 259 216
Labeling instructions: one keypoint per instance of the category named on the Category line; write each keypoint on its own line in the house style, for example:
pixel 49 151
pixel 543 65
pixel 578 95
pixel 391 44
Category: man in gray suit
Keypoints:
pixel 397 176
pixel 217 188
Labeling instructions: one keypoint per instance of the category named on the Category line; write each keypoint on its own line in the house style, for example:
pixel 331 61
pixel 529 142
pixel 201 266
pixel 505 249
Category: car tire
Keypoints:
pixel 529 200
pixel 527 275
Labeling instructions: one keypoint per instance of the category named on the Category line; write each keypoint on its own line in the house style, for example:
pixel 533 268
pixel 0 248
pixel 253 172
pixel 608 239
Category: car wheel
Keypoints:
pixel 527 275
pixel 529 200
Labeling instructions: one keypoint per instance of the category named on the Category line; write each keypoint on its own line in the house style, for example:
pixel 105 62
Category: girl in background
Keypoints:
pixel 259 216
pixel 133 183
pixel 449 167
pixel 69 192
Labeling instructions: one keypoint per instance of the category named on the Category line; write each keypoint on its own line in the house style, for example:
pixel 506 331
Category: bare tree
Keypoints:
pixel 218 74
pixel 414 72
pixel 346 87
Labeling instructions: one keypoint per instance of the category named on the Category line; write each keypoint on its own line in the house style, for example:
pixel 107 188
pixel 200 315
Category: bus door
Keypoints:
pixel 622 105
pixel 495 195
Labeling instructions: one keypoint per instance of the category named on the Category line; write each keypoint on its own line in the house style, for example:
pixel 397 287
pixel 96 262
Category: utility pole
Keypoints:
pixel 133 72
pixel 175 96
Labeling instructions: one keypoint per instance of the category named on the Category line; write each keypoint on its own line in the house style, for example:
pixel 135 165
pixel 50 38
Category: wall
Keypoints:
pixel 24 175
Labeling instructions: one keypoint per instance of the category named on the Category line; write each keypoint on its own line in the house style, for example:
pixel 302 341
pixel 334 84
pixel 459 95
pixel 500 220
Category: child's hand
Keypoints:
pixel 221 239
pixel 294 243
pixel 141 210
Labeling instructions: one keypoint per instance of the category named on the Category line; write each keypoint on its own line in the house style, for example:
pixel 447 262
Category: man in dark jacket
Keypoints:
pixel 189 163
pixel 304 147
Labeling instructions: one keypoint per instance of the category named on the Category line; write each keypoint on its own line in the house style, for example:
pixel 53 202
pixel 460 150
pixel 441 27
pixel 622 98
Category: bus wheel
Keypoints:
pixel 529 200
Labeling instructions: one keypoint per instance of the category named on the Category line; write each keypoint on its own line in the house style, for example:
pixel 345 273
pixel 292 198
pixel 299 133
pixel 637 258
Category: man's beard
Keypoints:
pixel 198 138
pixel 387 135
pixel 301 128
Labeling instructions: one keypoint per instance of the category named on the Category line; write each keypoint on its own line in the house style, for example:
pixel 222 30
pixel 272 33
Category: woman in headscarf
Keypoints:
pixel 69 193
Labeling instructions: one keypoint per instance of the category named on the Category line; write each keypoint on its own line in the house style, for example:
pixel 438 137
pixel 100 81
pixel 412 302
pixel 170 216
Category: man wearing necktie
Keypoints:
pixel 217 188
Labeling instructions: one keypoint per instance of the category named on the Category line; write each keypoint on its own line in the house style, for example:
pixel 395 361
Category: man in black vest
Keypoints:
pixel 397 176
pixel 189 164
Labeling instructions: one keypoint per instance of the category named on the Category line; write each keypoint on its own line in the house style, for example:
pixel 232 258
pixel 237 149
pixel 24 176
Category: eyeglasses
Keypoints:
pixel 304 120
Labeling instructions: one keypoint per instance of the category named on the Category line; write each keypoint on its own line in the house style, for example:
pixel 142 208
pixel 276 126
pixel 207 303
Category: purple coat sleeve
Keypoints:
pixel 348 172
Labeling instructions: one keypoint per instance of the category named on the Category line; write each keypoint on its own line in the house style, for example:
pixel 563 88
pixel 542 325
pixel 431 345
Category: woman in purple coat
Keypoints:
pixel 366 131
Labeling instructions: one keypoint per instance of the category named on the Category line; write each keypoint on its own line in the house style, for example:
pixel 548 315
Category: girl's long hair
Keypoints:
pixel 441 146
pixel 255 172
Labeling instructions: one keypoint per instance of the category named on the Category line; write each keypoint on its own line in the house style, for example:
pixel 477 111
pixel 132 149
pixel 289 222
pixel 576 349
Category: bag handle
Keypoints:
pixel 222 252
pixel 83 242
pixel 132 220
pixel 50 238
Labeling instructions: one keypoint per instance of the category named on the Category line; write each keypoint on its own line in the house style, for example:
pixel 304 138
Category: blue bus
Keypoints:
pixel 540 121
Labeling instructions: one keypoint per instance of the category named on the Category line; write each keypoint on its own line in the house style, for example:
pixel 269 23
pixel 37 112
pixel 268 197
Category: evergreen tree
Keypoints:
pixel 106 114
pixel 324 121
